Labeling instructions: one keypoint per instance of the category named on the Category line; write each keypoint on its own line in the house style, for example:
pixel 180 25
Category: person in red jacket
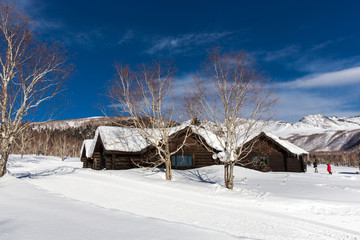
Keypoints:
pixel 329 169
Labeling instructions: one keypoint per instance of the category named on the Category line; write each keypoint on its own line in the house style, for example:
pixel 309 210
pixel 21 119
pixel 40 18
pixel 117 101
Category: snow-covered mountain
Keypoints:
pixel 321 133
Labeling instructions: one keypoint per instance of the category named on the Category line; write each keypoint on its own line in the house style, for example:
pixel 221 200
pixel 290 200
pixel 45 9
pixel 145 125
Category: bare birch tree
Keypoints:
pixel 63 146
pixel 23 140
pixel 145 95
pixel 235 97
pixel 31 72
pixel 46 140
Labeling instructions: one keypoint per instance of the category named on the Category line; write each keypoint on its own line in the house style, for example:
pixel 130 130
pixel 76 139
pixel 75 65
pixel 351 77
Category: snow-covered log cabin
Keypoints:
pixel 85 155
pixel 124 148
pixel 270 153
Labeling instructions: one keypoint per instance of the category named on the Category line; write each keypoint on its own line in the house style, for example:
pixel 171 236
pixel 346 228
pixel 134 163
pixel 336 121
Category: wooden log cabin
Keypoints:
pixel 85 155
pixel 116 148
pixel 269 153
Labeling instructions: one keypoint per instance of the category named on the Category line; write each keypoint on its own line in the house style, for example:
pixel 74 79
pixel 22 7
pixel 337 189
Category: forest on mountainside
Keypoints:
pixel 53 142
pixel 63 138
pixel 336 158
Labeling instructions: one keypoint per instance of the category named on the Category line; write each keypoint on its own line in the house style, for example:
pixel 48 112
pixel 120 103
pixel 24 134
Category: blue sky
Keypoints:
pixel 310 49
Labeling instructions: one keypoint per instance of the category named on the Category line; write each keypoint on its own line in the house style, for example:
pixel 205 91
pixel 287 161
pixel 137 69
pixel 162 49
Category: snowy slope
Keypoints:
pixel 314 124
pixel 329 141
pixel 320 133
pixel 351 120
pixel 195 205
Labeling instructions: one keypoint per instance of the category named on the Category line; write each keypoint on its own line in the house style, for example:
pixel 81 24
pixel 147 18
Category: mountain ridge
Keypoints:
pixel 321 133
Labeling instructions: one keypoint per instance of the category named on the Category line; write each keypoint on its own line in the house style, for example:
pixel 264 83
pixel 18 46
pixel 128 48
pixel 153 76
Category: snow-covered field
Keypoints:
pixel 44 198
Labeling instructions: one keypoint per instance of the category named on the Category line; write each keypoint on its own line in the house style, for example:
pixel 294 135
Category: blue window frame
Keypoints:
pixel 260 161
pixel 182 161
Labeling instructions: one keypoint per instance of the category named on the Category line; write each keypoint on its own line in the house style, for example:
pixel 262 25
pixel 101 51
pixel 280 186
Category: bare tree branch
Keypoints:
pixel 145 95
pixel 235 97
pixel 31 72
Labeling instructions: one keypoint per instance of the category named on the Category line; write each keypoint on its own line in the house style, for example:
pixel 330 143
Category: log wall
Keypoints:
pixel 279 160
pixel 201 156
pixel 121 161
pixel 294 164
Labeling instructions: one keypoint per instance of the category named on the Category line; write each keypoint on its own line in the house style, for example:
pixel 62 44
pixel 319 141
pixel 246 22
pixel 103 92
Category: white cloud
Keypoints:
pixel 331 94
pixel 34 9
pixel 85 39
pixel 46 25
pixel 126 37
pixel 330 85
pixel 308 60
pixel 331 79
pixel 322 45
pixel 314 64
pixel 31 7
pixel 293 105
pixel 281 53
pixel 182 42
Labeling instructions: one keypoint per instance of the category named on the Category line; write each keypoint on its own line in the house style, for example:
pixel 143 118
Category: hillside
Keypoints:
pixel 81 122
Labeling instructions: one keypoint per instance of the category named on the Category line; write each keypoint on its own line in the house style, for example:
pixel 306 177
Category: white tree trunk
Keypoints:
pixel 168 170
pixel 3 162
pixel 229 175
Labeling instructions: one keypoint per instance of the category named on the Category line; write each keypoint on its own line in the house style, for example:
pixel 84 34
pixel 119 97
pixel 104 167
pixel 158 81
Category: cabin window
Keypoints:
pixel 182 161
pixel 260 161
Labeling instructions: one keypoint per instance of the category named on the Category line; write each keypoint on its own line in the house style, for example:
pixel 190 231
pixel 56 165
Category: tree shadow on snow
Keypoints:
pixel 44 173
pixel 6 226
pixel 195 175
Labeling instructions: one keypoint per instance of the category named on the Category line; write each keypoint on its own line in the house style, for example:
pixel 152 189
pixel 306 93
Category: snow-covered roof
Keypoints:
pixel 286 144
pixel 210 138
pixel 119 139
pixel 125 139
pixel 86 146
